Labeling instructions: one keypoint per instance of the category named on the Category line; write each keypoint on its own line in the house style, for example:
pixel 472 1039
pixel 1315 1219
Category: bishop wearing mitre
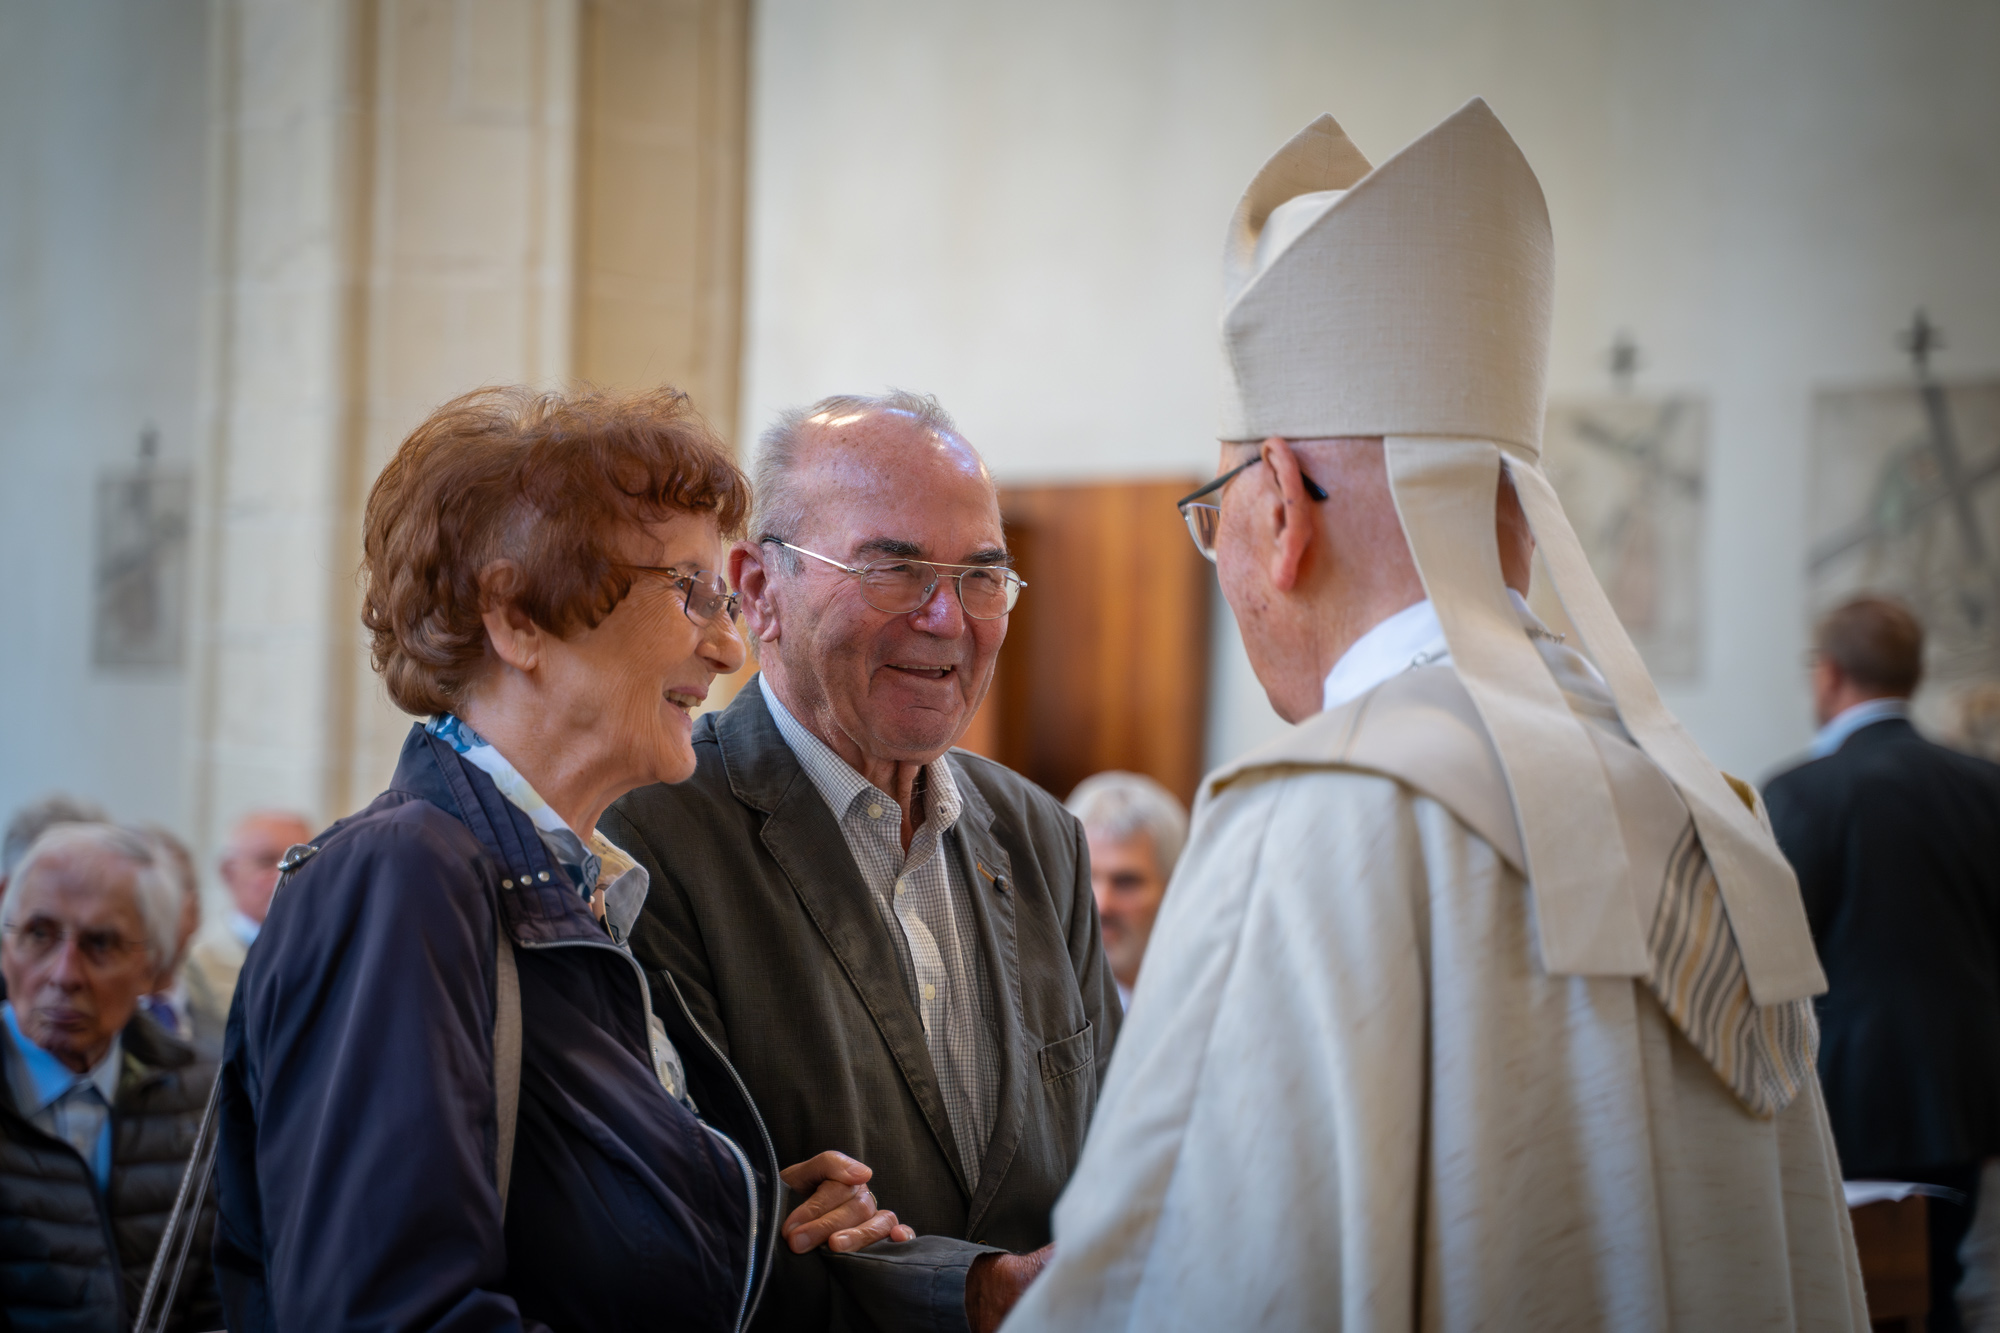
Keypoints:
pixel 1481 998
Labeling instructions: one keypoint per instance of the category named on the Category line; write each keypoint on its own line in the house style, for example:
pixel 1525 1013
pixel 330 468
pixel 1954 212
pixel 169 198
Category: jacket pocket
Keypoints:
pixel 1071 1055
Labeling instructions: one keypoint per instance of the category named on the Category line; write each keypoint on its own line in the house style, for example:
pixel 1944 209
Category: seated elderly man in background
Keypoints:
pixel 102 1105
pixel 1136 830
pixel 1896 841
pixel 36 818
pixel 249 869
pixel 894 940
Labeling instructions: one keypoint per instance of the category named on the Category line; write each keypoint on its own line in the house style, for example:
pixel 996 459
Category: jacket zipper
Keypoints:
pixel 744 1306
pixel 763 1132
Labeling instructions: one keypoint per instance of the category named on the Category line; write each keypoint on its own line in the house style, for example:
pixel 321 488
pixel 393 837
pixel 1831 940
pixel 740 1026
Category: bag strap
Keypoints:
pixel 170 1261
pixel 506 1057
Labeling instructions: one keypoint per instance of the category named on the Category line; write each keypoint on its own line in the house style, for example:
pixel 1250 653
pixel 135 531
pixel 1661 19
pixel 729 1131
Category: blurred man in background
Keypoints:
pixel 1897 845
pixel 168 1001
pixel 1136 831
pixel 249 869
pixel 31 821
pixel 100 1105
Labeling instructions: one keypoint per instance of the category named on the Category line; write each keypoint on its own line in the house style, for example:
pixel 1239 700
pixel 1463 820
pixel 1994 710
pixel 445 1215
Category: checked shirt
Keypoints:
pixel 925 905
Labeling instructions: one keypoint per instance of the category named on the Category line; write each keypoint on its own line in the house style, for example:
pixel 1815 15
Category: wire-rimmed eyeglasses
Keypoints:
pixel 898 587
pixel 100 948
pixel 703 595
pixel 1204 519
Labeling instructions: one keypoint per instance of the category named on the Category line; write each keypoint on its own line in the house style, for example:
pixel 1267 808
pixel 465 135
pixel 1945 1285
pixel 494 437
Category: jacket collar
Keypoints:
pixel 540 902
pixel 147 1053
pixel 762 768
pixel 1856 719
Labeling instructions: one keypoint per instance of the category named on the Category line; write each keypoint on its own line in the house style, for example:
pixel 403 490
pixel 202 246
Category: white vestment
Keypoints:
pixel 1347 1095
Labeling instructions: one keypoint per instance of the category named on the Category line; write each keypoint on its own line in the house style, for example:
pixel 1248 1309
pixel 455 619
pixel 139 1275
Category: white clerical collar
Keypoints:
pixel 1850 720
pixel 1410 638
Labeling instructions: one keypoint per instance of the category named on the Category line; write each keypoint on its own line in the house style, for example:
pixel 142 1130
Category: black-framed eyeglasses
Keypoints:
pixel 899 587
pixel 1203 520
pixel 703 595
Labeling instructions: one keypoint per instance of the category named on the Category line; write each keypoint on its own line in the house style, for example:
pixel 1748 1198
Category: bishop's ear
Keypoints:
pixel 1290 512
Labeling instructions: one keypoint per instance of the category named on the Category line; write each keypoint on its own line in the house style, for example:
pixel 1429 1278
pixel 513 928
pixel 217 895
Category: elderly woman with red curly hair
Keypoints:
pixel 450 1098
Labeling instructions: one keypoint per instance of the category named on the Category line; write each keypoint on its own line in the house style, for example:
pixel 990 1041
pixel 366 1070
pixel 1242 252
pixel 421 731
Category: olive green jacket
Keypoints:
pixel 760 919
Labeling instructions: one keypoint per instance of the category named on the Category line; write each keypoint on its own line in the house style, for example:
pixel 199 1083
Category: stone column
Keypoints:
pixel 397 217
pixel 393 221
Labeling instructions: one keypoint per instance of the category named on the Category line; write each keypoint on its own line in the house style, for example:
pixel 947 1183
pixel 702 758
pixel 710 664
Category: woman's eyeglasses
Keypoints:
pixel 703 595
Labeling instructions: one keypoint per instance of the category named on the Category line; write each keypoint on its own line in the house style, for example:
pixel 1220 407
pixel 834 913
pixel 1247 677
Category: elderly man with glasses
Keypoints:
pixel 1482 998
pixel 100 1104
pixel 894 941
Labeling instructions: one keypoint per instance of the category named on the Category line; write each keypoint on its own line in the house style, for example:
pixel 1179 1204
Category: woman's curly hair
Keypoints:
pixel 528 494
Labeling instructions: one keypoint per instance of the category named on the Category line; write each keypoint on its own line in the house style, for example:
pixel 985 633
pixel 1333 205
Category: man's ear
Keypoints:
pixel 514 638
pixel 1293 524
pixel 751 578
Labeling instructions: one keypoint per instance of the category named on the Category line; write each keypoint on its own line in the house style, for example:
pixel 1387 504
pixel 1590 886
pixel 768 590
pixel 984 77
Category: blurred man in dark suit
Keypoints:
pixel 1897 845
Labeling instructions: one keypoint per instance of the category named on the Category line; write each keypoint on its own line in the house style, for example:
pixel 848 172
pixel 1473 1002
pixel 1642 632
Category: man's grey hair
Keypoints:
pixel 155 879
pixel 778 509
pixel 30 821
pixel 1124 805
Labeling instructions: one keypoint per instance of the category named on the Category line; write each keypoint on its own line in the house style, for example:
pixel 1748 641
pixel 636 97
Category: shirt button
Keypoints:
pixel 930 991
pixel 901 887
pixel 874 810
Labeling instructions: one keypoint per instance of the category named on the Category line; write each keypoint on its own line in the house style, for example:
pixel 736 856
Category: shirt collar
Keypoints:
pixel 1850 720
pixel 840 785
pixel 595 864
pixel 39 1077
pixel 1414 637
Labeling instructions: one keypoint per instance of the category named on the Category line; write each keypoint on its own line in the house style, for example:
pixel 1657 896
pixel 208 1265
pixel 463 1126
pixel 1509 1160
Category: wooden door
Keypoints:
pixel 1106 659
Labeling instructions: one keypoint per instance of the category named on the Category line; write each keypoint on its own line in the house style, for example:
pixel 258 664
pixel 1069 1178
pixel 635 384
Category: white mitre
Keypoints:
pixel 1412 301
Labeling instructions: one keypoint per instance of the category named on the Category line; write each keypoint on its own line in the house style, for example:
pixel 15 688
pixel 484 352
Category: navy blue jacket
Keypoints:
pixel 355 1168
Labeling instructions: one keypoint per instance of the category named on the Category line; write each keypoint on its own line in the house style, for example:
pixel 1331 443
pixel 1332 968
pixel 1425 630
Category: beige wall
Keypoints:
pixel 1021 207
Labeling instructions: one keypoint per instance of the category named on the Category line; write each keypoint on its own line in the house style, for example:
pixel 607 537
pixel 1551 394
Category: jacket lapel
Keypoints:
pixel 988 872
pixel 805 840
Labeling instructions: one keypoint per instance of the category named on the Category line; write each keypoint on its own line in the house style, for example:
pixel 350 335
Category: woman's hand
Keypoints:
pixel 840 1212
